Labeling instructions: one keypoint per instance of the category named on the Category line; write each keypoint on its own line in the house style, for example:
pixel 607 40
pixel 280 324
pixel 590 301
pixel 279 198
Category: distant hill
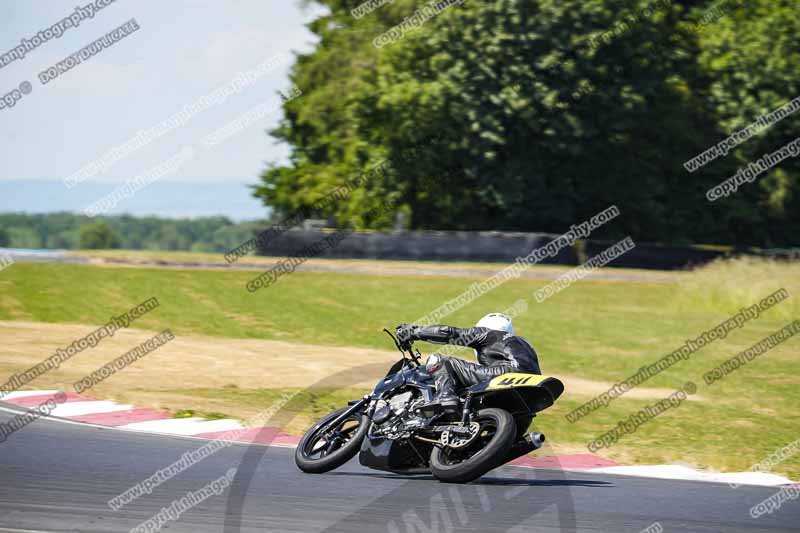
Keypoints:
pixel 163 199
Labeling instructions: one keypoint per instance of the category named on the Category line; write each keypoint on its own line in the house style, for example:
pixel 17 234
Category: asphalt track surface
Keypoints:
pixel 59 476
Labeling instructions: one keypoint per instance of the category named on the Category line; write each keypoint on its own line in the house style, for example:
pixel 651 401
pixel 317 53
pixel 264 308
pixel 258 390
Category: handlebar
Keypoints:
pixel 415 358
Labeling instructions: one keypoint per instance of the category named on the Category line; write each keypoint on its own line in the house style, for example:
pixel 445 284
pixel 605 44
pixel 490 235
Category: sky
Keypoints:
pixel 182 50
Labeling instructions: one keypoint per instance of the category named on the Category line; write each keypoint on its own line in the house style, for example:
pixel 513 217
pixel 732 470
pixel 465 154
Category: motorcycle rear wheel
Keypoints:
pixel 496 435
pixel 316 454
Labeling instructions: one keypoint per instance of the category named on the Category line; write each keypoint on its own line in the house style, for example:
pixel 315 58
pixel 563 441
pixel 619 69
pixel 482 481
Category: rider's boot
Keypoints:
pixel 445 398
pixel 445 395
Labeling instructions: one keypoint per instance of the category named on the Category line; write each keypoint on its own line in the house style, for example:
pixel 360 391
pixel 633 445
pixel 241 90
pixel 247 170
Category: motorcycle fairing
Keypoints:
pixel 390 455
pixel 532 392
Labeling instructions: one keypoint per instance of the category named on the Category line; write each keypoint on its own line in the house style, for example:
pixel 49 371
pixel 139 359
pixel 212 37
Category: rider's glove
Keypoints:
pixel 406 334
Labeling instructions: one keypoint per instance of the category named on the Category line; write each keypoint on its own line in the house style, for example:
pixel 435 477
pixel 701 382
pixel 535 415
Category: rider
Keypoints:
pixel 497 349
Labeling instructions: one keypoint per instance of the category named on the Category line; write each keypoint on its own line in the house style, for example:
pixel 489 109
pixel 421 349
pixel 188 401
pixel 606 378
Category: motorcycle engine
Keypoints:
pixel 392 417
pixel 399 403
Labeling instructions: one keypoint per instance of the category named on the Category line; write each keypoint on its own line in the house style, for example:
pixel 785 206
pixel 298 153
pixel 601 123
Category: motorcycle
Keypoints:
pixel 392 429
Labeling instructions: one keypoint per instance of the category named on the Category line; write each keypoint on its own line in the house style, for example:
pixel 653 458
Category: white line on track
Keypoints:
pixel 684 473
pixel 16 410
pixel 88 408
pixel 6 530
pixel 185 426
pixel 27 393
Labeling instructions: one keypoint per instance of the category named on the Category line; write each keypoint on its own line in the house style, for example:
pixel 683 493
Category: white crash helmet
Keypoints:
pixel 496 321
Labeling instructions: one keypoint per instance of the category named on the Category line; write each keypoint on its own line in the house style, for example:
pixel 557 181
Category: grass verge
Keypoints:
pixel 598 330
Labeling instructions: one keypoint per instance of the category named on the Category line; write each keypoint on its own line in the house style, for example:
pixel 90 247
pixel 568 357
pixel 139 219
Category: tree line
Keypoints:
pixel 70 231
pixel 534 114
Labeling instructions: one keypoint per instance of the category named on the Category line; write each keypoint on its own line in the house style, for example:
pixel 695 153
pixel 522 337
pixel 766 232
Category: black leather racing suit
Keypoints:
pixel 498 352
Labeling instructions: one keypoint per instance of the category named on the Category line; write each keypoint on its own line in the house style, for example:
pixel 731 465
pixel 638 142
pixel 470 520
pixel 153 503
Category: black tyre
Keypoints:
pixel 317 453
pixel 462 465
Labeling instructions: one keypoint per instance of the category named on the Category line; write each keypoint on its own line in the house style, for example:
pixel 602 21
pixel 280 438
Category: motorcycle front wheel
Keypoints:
pixel 462 465
pixel 320 451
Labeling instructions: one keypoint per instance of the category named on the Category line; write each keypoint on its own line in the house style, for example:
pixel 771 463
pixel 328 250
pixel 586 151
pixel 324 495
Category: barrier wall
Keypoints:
pixel 490 246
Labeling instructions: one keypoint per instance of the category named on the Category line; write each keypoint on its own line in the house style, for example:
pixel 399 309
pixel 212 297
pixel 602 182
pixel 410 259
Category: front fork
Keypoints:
pixel 355 407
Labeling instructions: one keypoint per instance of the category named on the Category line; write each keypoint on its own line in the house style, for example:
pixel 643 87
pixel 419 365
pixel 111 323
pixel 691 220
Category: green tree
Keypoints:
pixel 524 115
pixel 98 236
pixel 519 115
pixel 753 57
pixel 24 237
pixel 4 238
pixel 63 230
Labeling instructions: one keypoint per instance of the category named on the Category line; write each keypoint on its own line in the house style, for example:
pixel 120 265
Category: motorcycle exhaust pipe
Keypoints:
pixel 536 439
pixel 530 442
